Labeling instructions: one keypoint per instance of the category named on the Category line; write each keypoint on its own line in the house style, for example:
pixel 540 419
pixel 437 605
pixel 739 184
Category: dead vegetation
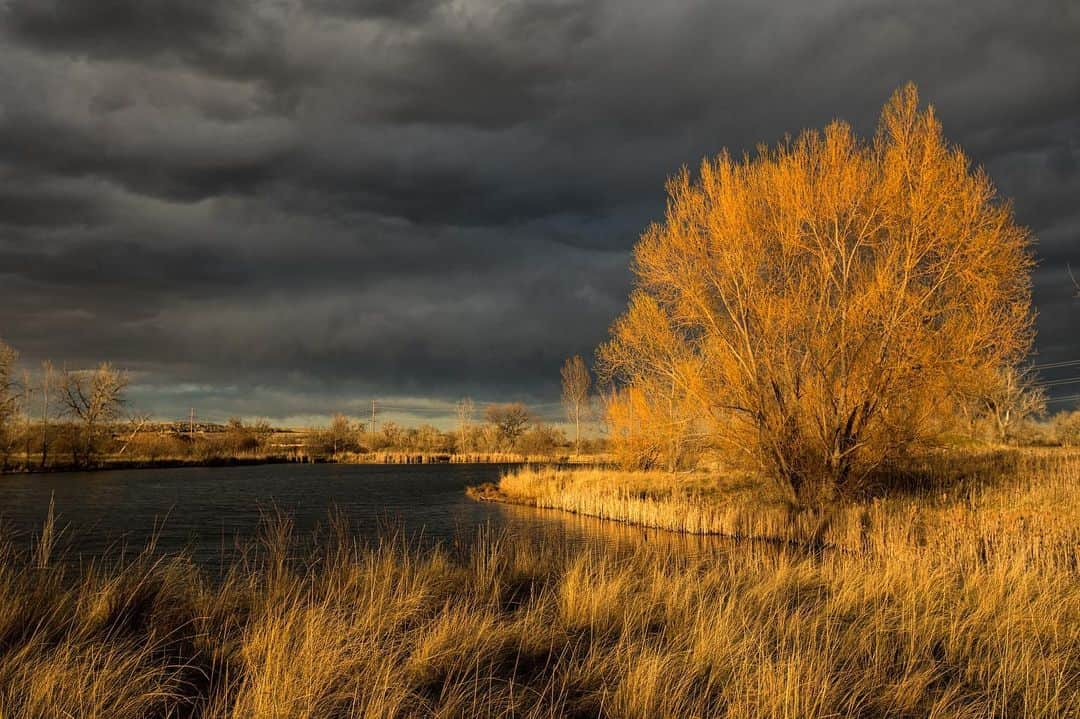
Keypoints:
pixel 967 608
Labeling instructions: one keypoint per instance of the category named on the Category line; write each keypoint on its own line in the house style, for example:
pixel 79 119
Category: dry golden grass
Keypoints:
pixel 969 501
pixel 968 608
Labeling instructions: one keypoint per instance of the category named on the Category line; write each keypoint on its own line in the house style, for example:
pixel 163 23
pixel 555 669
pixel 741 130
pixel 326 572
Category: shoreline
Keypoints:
pixel 702 504
pixel 378 458
pixel 489 493
pixel 987 501
pixel 171 463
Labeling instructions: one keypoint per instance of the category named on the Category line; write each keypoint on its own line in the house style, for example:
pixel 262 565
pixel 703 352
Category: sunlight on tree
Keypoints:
pixel 824 306
pixel 576 386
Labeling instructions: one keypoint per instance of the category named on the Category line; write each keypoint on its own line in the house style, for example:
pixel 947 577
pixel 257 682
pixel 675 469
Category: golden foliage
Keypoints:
pixel 823 304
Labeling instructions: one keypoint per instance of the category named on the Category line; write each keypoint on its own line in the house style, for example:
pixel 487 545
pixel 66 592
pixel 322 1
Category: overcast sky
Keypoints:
pixel 283 208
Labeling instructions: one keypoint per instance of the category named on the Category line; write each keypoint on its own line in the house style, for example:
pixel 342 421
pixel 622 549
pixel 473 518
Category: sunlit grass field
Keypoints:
pixel 972 502
pixel 956 600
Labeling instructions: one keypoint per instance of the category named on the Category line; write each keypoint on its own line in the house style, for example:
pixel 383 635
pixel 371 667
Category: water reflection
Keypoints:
pixel 213 512
pixel 556 525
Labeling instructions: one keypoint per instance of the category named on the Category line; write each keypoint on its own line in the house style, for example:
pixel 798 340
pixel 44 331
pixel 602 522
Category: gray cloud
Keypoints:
pixel 120 28
pixel 285 207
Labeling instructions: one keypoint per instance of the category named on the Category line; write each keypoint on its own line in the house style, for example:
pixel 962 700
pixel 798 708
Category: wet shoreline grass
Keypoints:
pixel 971 498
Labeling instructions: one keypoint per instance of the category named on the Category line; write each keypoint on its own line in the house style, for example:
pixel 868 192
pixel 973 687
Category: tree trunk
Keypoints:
pixel 577 429
pixel 88 447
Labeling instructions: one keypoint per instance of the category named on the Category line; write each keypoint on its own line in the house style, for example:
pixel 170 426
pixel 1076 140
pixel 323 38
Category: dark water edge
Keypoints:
pixel 213 513
pixel 111 465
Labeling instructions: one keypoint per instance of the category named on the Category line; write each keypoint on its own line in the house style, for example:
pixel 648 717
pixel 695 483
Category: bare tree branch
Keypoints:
pixel 93 400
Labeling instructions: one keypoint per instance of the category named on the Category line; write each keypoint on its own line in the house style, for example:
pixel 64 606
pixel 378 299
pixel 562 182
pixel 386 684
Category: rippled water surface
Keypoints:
pixel 209 511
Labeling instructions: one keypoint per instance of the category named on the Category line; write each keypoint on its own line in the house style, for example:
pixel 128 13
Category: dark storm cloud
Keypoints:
pixel 233 37
pixel 284 207
pixel 401 10
pixel 121 28
pixel 124 268
pixel 45 207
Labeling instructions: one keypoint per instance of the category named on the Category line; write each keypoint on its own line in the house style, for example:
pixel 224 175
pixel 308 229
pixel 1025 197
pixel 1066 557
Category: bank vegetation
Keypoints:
pixel 969 607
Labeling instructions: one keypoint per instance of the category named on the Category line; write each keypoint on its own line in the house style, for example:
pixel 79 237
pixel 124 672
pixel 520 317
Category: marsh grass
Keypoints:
pixel 964 610
pixel 976 502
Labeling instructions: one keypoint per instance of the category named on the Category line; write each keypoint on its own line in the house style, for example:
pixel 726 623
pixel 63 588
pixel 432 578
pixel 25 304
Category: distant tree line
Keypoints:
pixel 504 429
pixel 81 418
pixel 66 415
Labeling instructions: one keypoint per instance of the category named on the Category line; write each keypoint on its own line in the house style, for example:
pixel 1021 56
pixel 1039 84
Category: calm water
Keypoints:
pixel 210 511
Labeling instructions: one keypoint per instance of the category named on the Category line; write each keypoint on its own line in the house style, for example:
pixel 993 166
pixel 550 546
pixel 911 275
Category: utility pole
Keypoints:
pixel 191 425
pixel 373 417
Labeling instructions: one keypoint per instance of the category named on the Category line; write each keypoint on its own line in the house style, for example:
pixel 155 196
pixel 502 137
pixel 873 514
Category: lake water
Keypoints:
pixel 209 511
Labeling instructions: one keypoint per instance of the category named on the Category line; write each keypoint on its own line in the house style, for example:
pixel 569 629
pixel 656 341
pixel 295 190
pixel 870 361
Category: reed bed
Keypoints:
pixel 976 502
pixel 945 623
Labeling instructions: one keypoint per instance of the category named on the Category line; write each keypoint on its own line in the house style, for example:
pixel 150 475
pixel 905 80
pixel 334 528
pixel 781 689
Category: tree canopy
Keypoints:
pixel 821 307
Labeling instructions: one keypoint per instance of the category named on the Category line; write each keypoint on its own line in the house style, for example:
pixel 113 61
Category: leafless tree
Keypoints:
pixel 465 409
pixel 8 386
pixel 135 423
pixel 9 398
pixel 93 399
pixel 342 433
pixel 48 379
pixel 576 387
pixel 509 419
pixel 1076 285
pixel 27 388
pixel 1012 399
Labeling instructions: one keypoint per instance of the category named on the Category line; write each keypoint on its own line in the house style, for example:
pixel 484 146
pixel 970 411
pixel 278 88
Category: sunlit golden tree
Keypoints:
pixel 654 418
pixel 825 303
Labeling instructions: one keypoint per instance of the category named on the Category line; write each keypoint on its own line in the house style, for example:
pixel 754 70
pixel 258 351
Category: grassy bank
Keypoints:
pixel 502 626
pixel 468 458
pixel 1027 500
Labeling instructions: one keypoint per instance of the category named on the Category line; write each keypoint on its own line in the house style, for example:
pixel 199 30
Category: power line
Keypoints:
pixel 1065 398
pixel 449 407
pixel 1056 365
pixel 1057 382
